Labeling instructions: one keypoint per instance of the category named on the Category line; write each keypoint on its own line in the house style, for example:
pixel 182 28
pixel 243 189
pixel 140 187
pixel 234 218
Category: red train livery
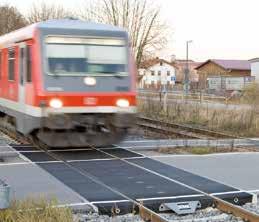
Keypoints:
pixel 68 83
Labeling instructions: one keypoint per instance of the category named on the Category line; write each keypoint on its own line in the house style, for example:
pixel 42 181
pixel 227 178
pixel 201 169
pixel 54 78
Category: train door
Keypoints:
pixel 22 76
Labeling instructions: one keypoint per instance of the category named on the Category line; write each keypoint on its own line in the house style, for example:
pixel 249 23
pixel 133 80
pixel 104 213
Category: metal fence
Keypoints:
pixel 196 96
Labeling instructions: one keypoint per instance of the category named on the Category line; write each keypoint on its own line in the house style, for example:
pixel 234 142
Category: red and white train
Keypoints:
pixel 68 83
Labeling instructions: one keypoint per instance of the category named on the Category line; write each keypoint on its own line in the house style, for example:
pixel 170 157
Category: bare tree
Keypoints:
pixel 43 11
pixel 10 19
pixel 140 18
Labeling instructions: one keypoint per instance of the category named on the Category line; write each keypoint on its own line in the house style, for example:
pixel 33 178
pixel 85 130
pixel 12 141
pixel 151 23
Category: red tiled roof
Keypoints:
pixel 254 60
pixel 229 64
pixel 191 64
pixel 183 60
pixel 148 63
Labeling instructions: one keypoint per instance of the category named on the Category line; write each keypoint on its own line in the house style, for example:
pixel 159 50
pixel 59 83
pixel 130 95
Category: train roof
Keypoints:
pixel 77 24
pixel 58 24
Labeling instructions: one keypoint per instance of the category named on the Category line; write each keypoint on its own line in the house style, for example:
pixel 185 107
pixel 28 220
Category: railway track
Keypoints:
pixel 179 130
pixel 145 213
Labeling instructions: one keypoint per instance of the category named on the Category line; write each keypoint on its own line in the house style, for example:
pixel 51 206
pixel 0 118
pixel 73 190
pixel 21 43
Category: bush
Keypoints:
pixel 32 210
pixel 251 94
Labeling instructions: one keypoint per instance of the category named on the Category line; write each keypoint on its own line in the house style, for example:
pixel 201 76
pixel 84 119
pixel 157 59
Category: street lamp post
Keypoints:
pixel 187 70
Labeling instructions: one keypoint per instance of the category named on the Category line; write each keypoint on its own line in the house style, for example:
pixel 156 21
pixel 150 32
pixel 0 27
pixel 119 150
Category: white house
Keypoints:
pixel 156 73
pixel 255 68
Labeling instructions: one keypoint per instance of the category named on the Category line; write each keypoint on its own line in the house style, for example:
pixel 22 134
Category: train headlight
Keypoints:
pixel 122 103
pixel 56 103
pixel 90 81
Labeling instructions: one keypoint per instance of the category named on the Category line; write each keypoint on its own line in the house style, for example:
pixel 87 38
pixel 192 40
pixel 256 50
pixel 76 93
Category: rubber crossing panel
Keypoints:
pixel 132 181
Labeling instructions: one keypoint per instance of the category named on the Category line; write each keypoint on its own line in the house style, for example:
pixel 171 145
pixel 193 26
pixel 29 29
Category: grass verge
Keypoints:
pixel 32 210
pixel 239 122
pixel 204 150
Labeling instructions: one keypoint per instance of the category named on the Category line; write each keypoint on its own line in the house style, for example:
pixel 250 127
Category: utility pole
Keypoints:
pixel 163 80
pixel 187 70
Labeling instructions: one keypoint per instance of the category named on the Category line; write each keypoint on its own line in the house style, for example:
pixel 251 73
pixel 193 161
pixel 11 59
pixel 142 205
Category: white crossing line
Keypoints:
pixel 133 158
pixel 105 159
pixel 109 201
pixel 30 151
pixel 229 192
pixel 71 150
pixel 7 151
pixel 81 149
pixel 14 164
pixel 171 197
pixel 50 161
pixel 90 160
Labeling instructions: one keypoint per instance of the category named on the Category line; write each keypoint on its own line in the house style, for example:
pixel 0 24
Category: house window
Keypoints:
pixel 152 73
pixel 28 64
pixel 168 73
pixel 11 62
pixel 159 73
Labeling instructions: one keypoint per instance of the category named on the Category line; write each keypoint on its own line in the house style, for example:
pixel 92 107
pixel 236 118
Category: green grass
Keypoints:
pixel 191 150
pixel 201 150
pixel 32 210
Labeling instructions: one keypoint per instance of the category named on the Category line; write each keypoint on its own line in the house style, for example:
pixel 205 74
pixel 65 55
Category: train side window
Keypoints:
pixel 28 64
pixel 21 66
pixel 11 63
pixel 0 64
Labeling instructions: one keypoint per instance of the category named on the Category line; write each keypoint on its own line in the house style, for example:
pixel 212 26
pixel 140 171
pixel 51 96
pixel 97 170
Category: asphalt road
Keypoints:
pixel 240 170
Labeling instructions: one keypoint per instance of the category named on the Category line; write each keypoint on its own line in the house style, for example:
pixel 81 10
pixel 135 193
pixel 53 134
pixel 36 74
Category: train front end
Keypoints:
pixel 87 83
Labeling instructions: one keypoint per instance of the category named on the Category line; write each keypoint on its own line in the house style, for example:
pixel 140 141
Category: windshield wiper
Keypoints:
pixel 117 75
pixel 120 74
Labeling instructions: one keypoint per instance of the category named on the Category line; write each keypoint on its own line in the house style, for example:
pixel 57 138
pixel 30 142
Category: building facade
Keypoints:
pixel 180 74
pixel 157 74
pixel 224 75
pixel 255 68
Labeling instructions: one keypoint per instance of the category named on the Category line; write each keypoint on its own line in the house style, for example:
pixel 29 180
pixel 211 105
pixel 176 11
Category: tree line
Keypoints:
pixel 141 18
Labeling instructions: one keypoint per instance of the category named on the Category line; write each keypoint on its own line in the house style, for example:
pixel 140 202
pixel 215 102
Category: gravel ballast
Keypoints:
pixel 205 215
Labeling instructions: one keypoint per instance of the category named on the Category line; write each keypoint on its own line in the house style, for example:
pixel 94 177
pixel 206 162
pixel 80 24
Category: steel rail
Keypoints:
pixel 188 131
pixel 167 131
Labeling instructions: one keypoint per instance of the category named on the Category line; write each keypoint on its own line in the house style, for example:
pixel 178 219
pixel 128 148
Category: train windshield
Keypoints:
pixel 74 56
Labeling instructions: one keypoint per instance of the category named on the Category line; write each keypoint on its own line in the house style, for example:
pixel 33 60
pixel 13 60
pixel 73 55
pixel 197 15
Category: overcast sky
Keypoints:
pixel 226 29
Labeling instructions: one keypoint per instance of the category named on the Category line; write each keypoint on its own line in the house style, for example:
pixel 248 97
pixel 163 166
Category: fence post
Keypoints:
pixel 4 195
pixel 165 102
